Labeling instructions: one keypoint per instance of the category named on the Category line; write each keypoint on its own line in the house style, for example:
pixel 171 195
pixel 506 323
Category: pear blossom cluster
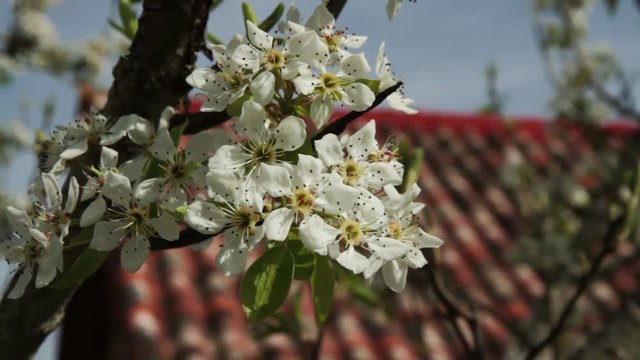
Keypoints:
pixel 130 181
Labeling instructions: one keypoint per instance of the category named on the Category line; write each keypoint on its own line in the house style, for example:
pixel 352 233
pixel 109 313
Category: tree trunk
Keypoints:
pixel 149 78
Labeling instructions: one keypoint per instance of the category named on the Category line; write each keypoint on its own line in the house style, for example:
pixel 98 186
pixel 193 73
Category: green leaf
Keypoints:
pixel 266 284
pixel 374 85
pixel 87 263
pixel 303 259
pixel 235 109
pixel 128 18
pixel 249 14
pixel 214 39
pixel 271 20
pixel 119 28
pixel 322 284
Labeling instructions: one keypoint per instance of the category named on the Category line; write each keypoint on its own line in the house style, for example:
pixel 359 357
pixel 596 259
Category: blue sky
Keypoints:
pixel 439 48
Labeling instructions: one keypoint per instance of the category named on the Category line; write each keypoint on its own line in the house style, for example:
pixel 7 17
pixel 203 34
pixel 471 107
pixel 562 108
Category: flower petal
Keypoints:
pixel 278 223
pixel 358 96
pixel 117 188
pixel 353 260
pixel 163 147
pixel 107 235
pixel 232 257
pixel 387 248
pixel 355 66
pixel 72 196
pixel 252 121
pixel 205 217
pixel 21 284
pixel 93 212
pixel 362 142
pixel 148 191
pixel 329 150
pixel 307 170
pixel 257 37
pixel 108 159
pixel 315 233
pixel 52 190
pixel 134 253
pixel 19 221
pixel 166 227
pixel 320 111
pixel 380 174
pixel 290 134
pixel 274 180
pixel 394 274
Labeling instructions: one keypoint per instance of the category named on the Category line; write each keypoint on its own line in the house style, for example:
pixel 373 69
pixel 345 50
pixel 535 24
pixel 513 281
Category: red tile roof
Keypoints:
pixel 180 306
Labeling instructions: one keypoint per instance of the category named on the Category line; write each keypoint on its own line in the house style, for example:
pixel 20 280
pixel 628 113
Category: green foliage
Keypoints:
pixel 322 284
pixel 265 286
pixel 303 259
pixel 128 19
pixel 411 159
pixel 272 20
pixel 87 263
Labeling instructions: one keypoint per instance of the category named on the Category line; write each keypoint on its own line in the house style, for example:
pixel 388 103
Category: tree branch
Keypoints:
pixel 453 311
pixel 146 80
pixel 608 246
pixel 187 237
pixel 335 7
pixel 338 126
pixel 199 121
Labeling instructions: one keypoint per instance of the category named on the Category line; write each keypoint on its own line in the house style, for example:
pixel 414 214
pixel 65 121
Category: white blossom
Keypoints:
pixel 133 218
pixel 360 165
pixel 403 227
pixel 258 156
pixel 357 229
pixel 236 212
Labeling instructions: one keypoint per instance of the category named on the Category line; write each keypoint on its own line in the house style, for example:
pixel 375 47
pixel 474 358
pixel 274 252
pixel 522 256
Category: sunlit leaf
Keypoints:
pixel 266 284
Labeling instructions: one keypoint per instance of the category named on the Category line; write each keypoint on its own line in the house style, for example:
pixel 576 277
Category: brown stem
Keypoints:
pixel 338 126
pixel 453 311
pixel 200 121
pixel 335 7
pixel 187 237
pixel 150 77
pixel 608 246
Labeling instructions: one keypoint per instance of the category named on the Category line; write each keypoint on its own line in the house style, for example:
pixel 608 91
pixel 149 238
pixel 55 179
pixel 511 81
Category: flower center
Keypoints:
pixel 351 232
pixel 395 230
pixel 137 218
pixel 32 250
pixel 302 200
pixel 264 153
pixel 329 82
pixel 274 59
pixel 350 172
pixel 244 219
pixel 333 39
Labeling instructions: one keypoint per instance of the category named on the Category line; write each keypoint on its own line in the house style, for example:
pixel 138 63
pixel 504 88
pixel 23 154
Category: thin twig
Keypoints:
pixel 187 237
pixel 199 121
pixel 608 246
pixel 335 7
pixel 338 126
pixel 453 311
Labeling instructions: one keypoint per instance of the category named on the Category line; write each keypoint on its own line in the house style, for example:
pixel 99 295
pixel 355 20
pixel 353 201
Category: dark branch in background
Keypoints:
pixel 187 237
pixel 338 126
pixel 162 54
pixel 150 77
pixel 454 311
pixel 200 121
pixel 335 7
pixel 608 246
